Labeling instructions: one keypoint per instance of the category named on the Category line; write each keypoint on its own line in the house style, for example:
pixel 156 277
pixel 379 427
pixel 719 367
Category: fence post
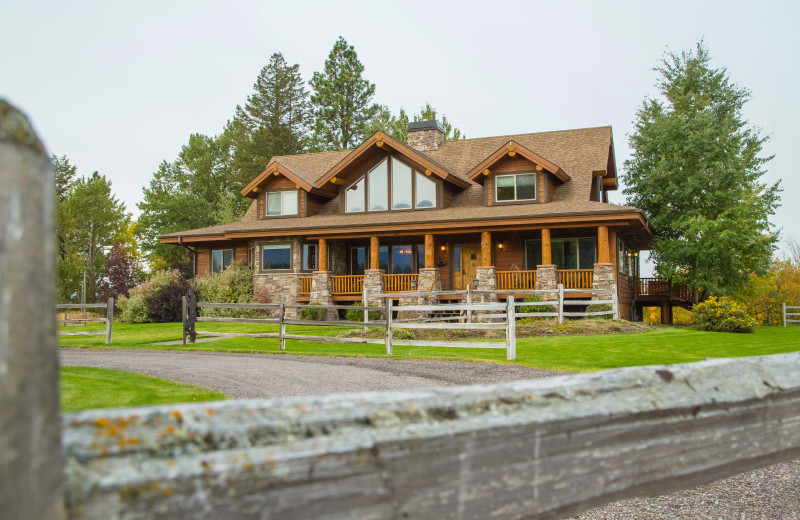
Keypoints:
pixel 191 315
pixel 30 442
pixel 784 314
pixel 616 301
pixel 109 320
pixel 511 329
pixel 469 302
pixel 184 306
pixel 366 309
pixel 281 323
pixel 388 317
pixel 560 303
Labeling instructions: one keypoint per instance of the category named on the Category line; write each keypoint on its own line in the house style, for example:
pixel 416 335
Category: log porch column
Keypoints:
pixel 486 249
pixel 323 254
pixel 547 255
pixel 485 272
pixel 603 256
pixel 428 251
pixel 374 250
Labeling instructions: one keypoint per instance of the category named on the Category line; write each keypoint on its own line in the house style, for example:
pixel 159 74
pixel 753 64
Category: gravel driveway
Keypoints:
pixel 771 493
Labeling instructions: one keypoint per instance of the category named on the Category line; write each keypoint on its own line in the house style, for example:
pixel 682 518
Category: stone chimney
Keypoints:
pixel 424 136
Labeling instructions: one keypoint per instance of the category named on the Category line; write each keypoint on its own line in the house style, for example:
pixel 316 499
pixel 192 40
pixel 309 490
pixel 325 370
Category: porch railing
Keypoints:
pixel 576 278
pixel 661 287
pixel 516 280
pixel 347 284
pixel 305 285
pixel 400 282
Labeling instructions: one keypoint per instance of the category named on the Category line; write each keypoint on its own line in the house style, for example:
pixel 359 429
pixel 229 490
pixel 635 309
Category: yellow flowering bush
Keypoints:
pixel 722 315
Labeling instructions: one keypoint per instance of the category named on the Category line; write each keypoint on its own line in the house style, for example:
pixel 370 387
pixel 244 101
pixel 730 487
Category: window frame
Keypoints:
pixel 303 257
pixel 281 244
pixel 211 260
pixel 390 158
pixel 265 214
pixel 577 250
pixel 516 200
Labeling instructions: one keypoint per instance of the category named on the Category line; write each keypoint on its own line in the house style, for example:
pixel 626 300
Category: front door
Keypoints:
pixel 470 258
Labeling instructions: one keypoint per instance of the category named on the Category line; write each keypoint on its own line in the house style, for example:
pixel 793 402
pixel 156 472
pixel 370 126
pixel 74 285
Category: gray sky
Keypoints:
pixel 119 86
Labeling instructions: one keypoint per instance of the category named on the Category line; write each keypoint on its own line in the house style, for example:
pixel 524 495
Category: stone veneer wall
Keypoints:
pixel 603 278
pixel 425 140
pixel 546 279
pixel 374 284
pixel 321 292
pixel 279 283
pixel 337 250
pixel 487 281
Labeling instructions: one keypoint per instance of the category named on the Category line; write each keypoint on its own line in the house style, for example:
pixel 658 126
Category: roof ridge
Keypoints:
pixel 509 136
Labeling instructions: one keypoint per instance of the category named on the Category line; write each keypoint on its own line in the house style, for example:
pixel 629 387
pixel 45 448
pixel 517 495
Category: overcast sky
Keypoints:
pixel 119 86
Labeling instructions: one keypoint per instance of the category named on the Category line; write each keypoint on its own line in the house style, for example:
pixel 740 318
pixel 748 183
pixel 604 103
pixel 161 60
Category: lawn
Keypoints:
pixel 83 388
pixel 662 345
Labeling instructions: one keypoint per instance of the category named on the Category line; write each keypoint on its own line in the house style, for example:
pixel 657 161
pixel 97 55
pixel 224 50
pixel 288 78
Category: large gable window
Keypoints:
pixel 281 203
pixel 517 187
pixel 393 185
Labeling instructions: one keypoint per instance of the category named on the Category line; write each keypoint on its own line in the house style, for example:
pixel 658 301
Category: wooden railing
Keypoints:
pixel 305 285
pixel 400 282
pixel 661 287
pixel 516 280
pixel 576 278
pixel 347 284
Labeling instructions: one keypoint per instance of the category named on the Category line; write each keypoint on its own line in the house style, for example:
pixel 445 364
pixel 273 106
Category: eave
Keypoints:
pixel 512 148
pixel 384 142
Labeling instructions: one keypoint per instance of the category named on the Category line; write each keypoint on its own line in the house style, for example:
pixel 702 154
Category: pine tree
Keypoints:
pixel 696 172
pixel 341 100
pixel 397 126
pixel 64 175
pixel 451 133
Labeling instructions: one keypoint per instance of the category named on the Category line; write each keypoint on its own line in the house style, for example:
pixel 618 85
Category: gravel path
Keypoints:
pixel 246 376
pixel 772 493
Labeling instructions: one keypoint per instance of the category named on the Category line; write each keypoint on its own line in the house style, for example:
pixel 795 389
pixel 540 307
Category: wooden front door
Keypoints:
pixel 470 260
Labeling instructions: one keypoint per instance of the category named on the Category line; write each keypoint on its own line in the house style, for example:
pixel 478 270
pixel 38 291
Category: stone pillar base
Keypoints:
pixel 321 292
pixel 547 279
pixel 487 281
pixel 273 286
pixel 374 284
pixel 603 278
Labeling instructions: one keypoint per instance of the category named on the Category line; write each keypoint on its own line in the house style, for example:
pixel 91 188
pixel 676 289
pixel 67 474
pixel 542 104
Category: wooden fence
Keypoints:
pixel 108 320
pixel 791 314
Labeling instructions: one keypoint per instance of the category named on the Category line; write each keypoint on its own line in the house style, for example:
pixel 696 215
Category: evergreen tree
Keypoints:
pixel 696 172
pixel 451 133
pixel 64 175
pixel 341 100
pixel 397 126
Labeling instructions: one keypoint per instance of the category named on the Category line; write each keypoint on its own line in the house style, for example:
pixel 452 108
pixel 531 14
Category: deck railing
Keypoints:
pixel 347 284
pixel 651 287
pixel 576 278
pixel 400 282
pixel 305 285
pixel 516 280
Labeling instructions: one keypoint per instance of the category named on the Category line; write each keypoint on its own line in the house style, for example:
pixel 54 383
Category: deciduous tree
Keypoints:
pixel 696 171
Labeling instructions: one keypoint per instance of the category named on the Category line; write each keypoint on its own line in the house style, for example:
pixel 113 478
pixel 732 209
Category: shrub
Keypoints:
pixel 133 309
pixel 357 315
pixel 600 307
pixel 310 313
pixel 722 315
pixel 233 285
pixel 524 309
pixel 165 304
pixel 402 334
pixel 136 307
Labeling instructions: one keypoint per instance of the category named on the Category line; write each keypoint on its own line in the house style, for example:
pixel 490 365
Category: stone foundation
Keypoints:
pixel 487 281
pixel 603 278
pixel 276 285
pixel 321 292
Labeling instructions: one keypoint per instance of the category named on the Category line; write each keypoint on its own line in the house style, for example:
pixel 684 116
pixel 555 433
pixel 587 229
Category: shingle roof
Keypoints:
pixel 310 166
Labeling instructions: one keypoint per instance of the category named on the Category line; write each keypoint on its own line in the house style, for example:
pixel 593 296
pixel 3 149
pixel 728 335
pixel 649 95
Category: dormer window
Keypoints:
pixel 391 184
pixel 280 203
pixel 516 187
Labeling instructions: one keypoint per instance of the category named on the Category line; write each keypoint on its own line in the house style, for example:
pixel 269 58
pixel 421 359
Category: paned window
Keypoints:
pixel 391 185
pixel 281 203
pixel 569 253
pixel 310 257
pixel 276 257
pixel 221 259
pixel 358 260
pixel 517 187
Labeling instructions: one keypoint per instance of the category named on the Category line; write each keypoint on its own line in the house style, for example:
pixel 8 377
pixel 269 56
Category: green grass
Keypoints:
pixel 576 353
pixel 83 388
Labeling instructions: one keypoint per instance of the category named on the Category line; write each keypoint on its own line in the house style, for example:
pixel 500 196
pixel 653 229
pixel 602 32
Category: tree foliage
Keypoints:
pixel 696 172
pixel 341 102
pixel 397 126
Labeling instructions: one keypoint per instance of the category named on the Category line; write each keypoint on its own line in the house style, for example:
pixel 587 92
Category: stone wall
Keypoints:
pixel 487 281
pixel 374 284
pixel 338 257
pixel 546 279
pixel 603 278
pixel 275 284
pixel 321 292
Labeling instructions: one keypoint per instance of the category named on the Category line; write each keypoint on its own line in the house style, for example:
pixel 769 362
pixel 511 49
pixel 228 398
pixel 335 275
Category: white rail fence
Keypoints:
pixel 791 314
pixel 108 319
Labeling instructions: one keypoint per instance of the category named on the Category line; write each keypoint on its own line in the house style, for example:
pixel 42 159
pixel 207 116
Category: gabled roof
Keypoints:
pixel 513 148
pixel 385 142
pixel 303 170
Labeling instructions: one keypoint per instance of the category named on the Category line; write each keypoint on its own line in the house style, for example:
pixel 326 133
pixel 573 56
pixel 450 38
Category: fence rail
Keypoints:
pixel 108 320
pixel 789 316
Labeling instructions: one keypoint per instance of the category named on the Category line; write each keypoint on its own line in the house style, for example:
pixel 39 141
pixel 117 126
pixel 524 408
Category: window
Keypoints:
pixel 383 258
pixel 569 253
pixel 310 257
pixel 251 257
pixel 281 203
pixel 420 256
pixel 358 260
pixel 457 259
pixel 276 257
pixel 521 186
pixel 402 260
pixel 391 185
pixel 221 259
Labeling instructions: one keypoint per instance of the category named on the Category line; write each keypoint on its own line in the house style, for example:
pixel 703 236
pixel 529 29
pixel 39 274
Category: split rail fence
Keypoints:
pixel 548 448
pixel 108 320
pixel 791 314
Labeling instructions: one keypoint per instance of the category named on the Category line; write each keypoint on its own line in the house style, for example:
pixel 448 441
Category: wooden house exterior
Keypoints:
pixel 507 213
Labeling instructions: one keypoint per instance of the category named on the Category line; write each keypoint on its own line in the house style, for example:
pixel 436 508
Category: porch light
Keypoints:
pixel 413 284
pixel 443 248
pixel 500 245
